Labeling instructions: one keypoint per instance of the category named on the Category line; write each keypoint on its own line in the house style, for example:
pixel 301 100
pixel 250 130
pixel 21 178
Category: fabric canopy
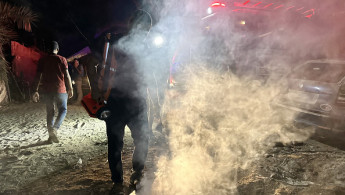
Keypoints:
pixel 24 64
pixel 79 54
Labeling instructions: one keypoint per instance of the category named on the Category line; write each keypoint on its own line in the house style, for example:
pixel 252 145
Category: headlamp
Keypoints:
pixel 158 41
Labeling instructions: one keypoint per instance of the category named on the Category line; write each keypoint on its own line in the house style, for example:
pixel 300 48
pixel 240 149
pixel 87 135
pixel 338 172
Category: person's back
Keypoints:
pixel 127 79
pixel 52 67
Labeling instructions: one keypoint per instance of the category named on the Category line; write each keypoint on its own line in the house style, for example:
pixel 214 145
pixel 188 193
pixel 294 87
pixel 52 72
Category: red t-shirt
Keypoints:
pixel 52 67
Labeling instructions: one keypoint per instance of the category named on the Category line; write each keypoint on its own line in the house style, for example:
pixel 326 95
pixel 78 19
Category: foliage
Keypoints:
pixel 3 69
pixel 22 16
pixel 11 18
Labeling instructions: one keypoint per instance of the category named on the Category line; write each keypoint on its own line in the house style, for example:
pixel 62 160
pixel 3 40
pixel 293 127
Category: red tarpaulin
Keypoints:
pixel 24 64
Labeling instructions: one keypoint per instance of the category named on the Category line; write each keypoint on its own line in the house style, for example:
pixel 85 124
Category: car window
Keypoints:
pixel 323 72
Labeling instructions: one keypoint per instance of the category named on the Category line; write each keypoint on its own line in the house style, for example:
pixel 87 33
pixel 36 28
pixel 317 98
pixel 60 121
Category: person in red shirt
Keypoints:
pixel 53 76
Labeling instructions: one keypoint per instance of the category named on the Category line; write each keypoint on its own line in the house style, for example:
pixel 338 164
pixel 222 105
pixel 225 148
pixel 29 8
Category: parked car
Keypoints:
pixel 316 90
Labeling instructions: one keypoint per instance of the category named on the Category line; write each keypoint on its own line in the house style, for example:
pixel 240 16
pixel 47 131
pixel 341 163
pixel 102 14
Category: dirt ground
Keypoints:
pixel 78 164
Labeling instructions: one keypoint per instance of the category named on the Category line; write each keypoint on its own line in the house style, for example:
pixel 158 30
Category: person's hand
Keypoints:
pixel 100 100
pixel 70 93
pixel 36 97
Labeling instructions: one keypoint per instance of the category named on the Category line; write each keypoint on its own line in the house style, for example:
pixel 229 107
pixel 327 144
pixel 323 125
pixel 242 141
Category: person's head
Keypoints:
pixel 140 20
pixel 54 47
pixel 76 62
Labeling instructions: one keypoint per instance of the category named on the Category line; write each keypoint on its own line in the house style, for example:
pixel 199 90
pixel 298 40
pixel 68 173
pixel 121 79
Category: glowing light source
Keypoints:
pixel 217 4
pixel 243 22
pixel 268 5
pixel 245 3
pixel 311 14
pixel 311 10
pixel 209 10
pixel 158 41
pixel 257 4
pixel 279 6
pixel 290 7
pixel 300 9
pixel 265 5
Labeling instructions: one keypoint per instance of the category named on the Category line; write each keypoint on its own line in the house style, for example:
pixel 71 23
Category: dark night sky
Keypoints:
pixel 74 23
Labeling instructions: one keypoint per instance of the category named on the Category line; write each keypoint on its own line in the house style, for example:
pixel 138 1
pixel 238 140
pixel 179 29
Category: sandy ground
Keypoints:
pixel 28 162
pixel 78 164
pixel 25 154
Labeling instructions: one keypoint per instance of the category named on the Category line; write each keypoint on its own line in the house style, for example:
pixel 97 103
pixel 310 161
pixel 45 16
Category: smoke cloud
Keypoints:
pixel 221 124
pixel 219 118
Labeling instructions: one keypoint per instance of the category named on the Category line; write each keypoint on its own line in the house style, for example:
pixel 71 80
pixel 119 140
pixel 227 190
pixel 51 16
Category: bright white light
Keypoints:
pixel 158 41
pixel 209 10
pixel 243 22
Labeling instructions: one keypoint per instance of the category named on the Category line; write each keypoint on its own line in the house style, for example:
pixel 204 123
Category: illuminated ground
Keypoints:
pixel 30 166
pixel 25 155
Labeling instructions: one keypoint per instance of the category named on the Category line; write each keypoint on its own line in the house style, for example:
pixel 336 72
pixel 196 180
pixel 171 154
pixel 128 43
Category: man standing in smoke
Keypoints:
pixel 127 105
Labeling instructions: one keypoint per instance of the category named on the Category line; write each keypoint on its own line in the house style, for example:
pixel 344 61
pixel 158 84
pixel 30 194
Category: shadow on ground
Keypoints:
pixel 331 138
pixel 39 143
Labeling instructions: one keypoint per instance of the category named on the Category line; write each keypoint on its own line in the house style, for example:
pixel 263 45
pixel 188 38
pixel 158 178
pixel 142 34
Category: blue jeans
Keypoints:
pixel 60 101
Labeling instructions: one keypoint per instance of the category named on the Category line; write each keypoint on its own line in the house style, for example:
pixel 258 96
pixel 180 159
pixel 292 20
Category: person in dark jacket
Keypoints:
pixel 91 64
pixel 127 104
pixel 127 100
pixel 78 74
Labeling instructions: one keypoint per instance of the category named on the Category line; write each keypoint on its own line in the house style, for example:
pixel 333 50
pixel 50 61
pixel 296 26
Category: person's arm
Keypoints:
pixel 68 82
pixel 67 79
pixel 79 69
pixel 37 82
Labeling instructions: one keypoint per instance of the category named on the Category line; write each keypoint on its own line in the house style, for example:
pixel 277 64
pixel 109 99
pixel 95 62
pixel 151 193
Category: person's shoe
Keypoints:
pixel 117 189
pixel 135 180
pixel 50 141
pixel 136 177
pixel 52 135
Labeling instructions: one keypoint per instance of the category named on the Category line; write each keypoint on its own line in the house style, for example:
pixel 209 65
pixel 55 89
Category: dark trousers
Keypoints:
pixel 93 77
pixel 138 125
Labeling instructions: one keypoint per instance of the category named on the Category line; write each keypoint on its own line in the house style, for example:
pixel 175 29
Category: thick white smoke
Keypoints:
pixel 220 125
pixel 221 119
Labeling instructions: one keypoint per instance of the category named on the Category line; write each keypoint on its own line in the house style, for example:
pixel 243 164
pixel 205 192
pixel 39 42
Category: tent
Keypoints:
pixel 24 64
